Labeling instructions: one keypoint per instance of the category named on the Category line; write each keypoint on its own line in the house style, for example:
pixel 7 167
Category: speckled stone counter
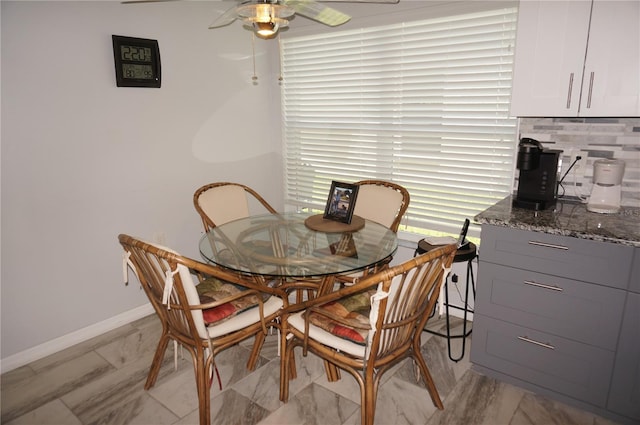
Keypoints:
pixel 568 218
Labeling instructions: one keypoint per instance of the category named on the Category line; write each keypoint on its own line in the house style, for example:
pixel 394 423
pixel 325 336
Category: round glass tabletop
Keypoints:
pixel 281 245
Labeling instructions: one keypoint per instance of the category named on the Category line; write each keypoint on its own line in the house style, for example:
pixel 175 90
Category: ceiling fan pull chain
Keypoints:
pixel 280 56
pixel 253 49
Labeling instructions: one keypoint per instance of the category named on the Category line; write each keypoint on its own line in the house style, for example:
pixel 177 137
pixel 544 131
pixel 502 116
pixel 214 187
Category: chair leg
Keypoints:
pixel 428 380
pixel 157 360
pixel 202 366
pixel 293 372
pixel 332 371
pixel 287 370
pixel 368 407
pixel 255 351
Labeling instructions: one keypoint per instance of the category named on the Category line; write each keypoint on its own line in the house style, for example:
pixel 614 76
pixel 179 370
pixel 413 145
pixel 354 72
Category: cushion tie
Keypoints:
pixel 373 317
pixel 168 286
pixel 126 263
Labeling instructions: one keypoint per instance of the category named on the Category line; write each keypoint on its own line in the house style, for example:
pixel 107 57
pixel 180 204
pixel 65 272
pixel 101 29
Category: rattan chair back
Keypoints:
pixel 382 201
pixel 219 203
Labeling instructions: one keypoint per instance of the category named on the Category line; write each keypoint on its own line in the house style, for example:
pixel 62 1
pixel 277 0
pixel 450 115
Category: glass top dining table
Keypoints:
pixel 283 246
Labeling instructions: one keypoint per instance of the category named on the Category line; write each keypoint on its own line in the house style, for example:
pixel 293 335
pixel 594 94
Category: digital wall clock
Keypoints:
pixel 137 62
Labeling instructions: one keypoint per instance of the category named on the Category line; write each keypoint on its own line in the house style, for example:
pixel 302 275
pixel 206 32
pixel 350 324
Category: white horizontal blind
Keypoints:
pixel 423 104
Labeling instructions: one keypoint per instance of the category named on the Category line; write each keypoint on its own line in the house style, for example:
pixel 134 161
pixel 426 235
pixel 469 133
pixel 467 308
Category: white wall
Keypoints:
pixel 84 160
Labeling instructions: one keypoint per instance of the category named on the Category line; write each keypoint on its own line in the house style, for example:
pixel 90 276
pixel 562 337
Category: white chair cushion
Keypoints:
pixel 224 203
pixel 297 321
pixel 244 319
pixel 237 322
pixel 193 298
pixel 378 203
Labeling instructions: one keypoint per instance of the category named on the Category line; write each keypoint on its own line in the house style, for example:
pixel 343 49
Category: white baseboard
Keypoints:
pixel 35 353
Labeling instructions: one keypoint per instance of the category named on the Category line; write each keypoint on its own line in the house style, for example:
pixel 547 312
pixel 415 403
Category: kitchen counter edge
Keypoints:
pixel 568 218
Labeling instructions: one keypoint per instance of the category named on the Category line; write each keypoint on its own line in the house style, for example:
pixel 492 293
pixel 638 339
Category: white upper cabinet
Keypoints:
pixel 577 58
pixel 611 82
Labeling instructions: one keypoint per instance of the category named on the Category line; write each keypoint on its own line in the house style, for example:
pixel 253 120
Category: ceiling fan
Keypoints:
pixel 266 17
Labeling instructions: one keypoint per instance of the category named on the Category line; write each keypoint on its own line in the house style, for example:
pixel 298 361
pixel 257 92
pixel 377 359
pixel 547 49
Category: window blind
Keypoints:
pixel 424 104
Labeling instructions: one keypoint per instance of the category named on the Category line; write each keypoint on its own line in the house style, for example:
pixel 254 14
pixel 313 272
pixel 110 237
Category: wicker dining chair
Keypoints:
pixel 381 201
pixel 368 327
pixel 217 313
pixel 219 203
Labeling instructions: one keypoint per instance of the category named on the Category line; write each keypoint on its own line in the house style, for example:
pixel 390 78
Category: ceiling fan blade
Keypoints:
pixel 318 12
pixel 225 19
pixel 145 1
pixel 363 1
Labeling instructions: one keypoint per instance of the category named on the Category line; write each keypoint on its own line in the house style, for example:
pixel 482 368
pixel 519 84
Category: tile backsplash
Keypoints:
pixel 591 138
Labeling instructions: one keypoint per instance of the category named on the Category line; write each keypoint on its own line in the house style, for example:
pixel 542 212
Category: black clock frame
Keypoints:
pixel 149 64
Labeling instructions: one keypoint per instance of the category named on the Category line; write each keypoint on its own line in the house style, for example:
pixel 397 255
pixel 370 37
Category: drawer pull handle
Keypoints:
pixel 542 285
pixel 532 341
pixel 569 92
pixel 549 245
pixel 590 90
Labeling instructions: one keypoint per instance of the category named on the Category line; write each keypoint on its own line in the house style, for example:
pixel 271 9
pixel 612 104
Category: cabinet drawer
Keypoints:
pixel 571 368
pixel 567 308
pixel 580 259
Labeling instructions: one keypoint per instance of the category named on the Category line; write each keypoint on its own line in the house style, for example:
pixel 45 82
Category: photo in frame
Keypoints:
pixel 341 202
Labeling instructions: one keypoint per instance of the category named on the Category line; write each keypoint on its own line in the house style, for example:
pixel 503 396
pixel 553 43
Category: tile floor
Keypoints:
pixel 101 381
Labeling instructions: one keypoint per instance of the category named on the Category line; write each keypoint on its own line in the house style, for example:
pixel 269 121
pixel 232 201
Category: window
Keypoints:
pixel 424 104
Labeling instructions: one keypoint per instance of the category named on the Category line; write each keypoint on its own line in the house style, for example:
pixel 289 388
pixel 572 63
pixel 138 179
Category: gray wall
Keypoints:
pixel 84 160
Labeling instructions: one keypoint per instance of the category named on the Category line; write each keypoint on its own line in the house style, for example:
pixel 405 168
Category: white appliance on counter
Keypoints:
pixel 607 181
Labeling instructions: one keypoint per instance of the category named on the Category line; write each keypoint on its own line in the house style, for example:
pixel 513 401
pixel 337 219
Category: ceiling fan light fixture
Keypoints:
pixel 265 19
pixel 265 29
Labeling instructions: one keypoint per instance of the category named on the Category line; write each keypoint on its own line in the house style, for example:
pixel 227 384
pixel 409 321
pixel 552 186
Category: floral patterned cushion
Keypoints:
pixel 212 289
pixel 353 310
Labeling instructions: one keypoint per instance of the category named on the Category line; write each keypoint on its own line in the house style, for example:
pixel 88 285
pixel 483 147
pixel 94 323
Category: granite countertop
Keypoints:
pixel 568 218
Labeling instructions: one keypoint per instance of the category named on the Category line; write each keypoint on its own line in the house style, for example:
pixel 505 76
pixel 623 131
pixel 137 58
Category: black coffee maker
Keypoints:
pixel 538 181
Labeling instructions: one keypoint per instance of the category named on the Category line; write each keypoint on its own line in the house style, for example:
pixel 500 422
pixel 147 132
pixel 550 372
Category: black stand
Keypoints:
pixel 466 253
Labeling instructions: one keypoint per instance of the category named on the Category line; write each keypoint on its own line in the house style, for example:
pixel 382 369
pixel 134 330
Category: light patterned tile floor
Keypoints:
pixel 101 382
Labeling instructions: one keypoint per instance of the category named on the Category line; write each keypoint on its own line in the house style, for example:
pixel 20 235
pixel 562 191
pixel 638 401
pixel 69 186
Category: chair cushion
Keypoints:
pixel 244 319
pixel 354 310
pixel 210 290
pixel 378 203
pixel 223 204
pixel 330 340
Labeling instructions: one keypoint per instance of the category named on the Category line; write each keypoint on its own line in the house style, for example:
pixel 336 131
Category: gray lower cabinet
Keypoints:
pixel 555 314
pixel 624 397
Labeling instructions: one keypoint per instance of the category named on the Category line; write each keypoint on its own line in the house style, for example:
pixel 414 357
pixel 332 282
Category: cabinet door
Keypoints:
pixel 550 50
pixel 624 397
pixel 611 84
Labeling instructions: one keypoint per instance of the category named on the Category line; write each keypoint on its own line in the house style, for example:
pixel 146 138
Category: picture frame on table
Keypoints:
pixel 341 202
